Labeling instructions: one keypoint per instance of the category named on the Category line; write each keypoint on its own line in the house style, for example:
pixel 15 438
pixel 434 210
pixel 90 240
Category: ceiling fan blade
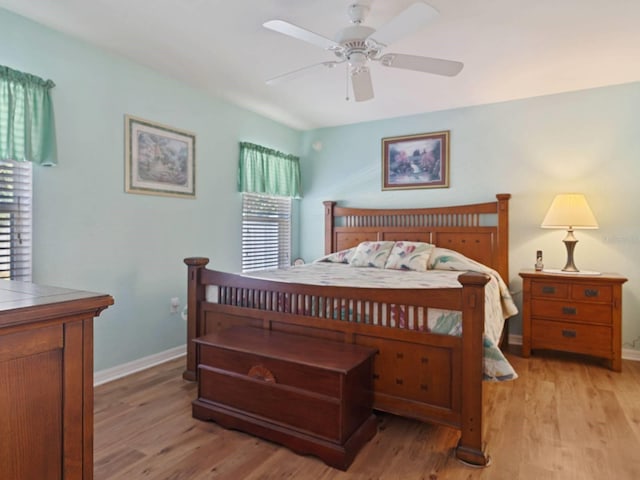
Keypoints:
pixel 300 33
pixel 405 23
pixel 436 66
pixel 300 72
pixel 361 83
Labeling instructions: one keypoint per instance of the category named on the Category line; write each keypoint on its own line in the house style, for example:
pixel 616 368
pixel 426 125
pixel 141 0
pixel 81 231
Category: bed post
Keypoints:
pixel 470 446
pixel 503 235
pixel 195 294
pixel 328 227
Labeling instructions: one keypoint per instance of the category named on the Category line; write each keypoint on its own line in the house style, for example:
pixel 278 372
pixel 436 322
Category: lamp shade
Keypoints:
pixel 569 211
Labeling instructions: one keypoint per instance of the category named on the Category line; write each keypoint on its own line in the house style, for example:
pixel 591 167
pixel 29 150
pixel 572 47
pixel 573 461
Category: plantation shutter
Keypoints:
pixel 266 232
pixel 15 220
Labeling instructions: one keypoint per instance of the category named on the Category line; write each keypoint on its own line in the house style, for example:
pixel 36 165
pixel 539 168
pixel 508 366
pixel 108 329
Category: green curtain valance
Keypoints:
pixel 263 170
pixel 27 129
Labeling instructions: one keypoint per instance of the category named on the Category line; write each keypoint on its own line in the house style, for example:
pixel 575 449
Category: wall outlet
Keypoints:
pixel 175 303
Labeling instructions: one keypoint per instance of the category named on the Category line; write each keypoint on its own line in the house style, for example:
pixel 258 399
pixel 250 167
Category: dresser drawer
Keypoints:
pixel 549 289
pixel 571 337
pixel 305 410
pixel 296 375
pixel 591 293
pixel 572 311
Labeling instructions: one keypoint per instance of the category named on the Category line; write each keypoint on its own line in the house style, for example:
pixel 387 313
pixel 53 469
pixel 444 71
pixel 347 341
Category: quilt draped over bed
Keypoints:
pixel 444 268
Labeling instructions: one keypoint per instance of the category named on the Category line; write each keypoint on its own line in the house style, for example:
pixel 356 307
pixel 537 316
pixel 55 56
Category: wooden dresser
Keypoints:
pixel 314 396
pixel 573 313
pixel 46 379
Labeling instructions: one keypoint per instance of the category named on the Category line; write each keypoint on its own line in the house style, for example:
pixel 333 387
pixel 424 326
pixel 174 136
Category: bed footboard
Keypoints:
pixel 417 374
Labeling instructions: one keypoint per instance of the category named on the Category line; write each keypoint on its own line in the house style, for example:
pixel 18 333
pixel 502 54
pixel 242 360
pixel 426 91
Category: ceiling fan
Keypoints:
pixel 357 45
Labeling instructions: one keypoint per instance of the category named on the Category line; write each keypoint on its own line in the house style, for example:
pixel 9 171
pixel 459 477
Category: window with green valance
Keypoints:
pixel 265 171
pixel 27 131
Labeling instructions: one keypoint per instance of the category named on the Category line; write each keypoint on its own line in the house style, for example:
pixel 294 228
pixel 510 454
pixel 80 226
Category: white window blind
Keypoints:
pixel 266 232
pixel 15 220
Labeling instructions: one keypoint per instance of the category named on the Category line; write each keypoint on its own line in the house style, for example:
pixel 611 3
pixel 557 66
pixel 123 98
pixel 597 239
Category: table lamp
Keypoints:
pixel 569 211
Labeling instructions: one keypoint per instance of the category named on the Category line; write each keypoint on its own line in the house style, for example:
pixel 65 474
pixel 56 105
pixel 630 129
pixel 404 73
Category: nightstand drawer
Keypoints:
pixel 591 293
pixel 572 311
pixel 549 289
pixel 571 337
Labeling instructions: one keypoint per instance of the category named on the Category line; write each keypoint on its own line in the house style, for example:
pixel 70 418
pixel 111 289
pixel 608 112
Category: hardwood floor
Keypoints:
pixel 563 419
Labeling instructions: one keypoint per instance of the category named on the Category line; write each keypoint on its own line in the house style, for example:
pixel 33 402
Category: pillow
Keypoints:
pixel 371 254
pixel 343 256
pixel 410 256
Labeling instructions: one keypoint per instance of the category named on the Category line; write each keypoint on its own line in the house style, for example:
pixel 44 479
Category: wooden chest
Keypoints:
pixel 313 396
pixel 573 313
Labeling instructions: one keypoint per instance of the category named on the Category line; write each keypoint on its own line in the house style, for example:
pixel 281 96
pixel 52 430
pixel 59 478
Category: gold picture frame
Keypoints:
pixel 159 160
pixel 416 161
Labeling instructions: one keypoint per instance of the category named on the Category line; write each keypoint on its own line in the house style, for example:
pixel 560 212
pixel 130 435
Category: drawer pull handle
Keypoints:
pixel 260 372
pixel 569 333
pixel 399 381
pixel 548 289
pixel 569 310
pixel 590 292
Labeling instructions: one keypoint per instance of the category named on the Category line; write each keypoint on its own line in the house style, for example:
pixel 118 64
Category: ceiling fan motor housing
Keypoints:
pixel 356 49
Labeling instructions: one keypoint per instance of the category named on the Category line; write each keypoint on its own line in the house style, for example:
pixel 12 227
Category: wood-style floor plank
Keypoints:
pixel 565 418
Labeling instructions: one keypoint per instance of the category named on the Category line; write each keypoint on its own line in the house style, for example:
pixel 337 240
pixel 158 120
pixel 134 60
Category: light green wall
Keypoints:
pixel 88 233
pixel 585 141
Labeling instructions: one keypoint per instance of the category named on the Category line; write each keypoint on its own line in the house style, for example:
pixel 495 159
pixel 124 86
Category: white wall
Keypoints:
pixel 584 141
pixel 88 233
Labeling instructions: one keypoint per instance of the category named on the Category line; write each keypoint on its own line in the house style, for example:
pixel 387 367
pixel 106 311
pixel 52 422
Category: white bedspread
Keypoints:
pixel 447 266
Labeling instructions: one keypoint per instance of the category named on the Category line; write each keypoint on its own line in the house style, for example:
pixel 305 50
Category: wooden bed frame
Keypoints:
pixel 430 377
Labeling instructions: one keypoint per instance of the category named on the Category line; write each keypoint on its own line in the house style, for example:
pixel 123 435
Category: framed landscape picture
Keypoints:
pixel 415 161
pixel 159 160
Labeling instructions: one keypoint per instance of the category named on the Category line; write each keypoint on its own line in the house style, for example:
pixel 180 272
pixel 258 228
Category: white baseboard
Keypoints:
pixel 631 354
pixel 119 371
pixel 627 353
pixel 515 339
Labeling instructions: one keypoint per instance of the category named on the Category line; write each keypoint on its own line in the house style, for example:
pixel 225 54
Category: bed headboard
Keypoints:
pixel 480 231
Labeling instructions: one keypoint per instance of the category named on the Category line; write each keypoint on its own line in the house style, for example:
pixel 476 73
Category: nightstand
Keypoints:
pixel 573 313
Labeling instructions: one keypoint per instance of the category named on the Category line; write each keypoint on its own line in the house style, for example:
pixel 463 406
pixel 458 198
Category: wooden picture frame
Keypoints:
pixel 415 161
pixel 159 160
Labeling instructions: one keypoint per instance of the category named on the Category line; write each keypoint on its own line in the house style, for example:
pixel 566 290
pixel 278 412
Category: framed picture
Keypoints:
pixel 159 160
pixel 416 161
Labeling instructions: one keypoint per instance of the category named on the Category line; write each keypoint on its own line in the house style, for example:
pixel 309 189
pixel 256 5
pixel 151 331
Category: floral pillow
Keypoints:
pixel 343 256
pixel 371 254
pixel 409 256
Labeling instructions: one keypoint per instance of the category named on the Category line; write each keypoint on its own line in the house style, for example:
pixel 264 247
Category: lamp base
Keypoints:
pixel 570 242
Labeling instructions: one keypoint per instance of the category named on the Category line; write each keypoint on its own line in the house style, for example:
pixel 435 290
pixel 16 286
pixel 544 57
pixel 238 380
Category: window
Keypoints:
pixel 27 135
pixel 266 232
pixel 15 220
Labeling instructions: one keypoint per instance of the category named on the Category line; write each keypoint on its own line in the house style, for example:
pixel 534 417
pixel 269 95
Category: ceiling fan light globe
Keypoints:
pixel 357 59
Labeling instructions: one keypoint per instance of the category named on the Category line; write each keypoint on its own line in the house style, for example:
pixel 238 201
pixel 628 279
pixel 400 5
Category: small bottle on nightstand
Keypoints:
pixel 539 264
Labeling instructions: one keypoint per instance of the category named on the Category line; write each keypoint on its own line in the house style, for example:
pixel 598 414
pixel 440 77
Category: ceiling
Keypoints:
pixel 511 49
